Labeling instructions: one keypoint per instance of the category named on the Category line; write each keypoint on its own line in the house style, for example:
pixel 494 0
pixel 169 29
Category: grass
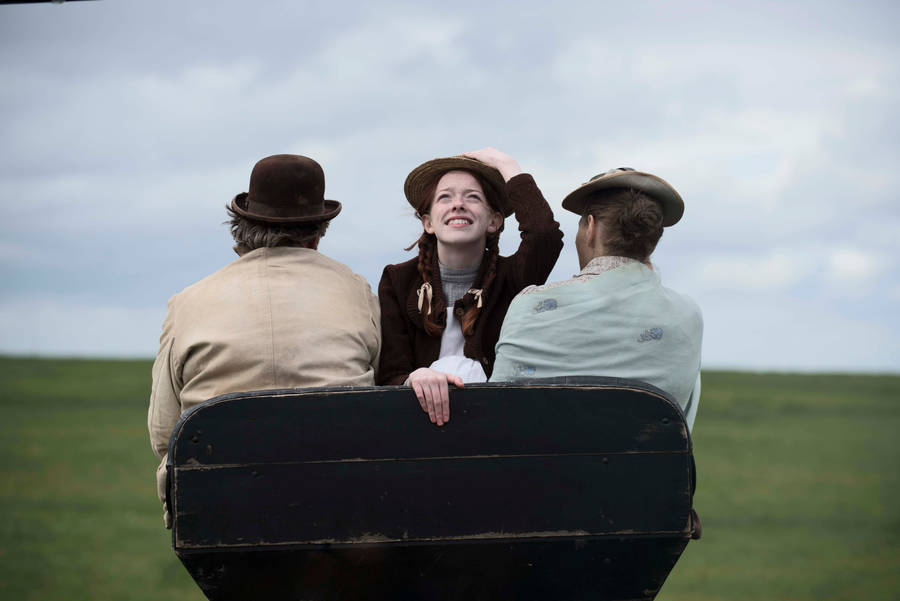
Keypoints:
pixel 78 495
pixel 798 487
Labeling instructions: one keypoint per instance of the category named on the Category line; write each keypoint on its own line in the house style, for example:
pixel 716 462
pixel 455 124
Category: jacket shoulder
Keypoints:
pixel 202 283
pixel 400 272
pixel 411 265
pixel 685 307
pixel 340 268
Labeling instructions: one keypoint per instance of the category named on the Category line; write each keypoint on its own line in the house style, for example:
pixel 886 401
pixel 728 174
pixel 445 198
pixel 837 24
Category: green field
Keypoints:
pixel 798 482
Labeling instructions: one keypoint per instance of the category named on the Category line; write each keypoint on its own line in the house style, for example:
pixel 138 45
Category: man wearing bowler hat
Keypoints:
pixel 282 315
pixel 613 318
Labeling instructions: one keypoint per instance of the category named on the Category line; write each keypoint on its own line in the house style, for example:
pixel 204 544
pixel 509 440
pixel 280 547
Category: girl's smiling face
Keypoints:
pixel 460 214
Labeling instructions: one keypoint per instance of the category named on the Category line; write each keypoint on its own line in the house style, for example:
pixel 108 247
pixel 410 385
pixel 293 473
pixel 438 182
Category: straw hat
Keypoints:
pixel 425 175
pixel 625 177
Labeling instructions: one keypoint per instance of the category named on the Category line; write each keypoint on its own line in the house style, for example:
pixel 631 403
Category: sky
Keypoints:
pixel 126 126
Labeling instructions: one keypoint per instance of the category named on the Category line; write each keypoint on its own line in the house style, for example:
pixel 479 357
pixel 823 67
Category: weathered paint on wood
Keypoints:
pixel 563 491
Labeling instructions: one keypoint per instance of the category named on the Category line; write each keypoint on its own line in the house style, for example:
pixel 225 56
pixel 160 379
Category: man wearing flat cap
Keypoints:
pixel 614 318
pixel 282 315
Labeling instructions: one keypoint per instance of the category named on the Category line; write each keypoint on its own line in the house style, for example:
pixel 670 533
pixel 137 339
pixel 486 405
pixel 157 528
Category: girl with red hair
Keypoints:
pixel 441 312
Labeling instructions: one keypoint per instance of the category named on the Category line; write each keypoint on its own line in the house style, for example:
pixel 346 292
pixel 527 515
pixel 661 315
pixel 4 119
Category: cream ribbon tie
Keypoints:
pixel 424 294
pixel 476 292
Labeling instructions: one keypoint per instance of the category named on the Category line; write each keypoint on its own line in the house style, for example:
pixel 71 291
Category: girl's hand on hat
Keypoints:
pixel 502 162
pixel 433 393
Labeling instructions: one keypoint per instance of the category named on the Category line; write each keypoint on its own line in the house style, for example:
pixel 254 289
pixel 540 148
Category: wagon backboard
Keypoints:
pixel 572 489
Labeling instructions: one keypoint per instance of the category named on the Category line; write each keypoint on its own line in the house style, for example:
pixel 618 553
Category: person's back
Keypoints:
pixel 280 316
pixel 622 323
pixel 614 318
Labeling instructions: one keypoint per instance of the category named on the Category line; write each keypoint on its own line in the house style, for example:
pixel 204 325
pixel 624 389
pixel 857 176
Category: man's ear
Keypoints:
pixel 495 222
pixel 426 223
pixel 591 231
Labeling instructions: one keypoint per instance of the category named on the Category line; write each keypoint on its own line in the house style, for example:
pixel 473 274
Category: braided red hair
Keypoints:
pixel 489 269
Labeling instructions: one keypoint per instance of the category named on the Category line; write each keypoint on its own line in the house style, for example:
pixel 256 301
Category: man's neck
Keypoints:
pixel 243 250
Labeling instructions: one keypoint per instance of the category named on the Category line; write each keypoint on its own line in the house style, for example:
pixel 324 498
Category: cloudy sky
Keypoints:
pixel 126 125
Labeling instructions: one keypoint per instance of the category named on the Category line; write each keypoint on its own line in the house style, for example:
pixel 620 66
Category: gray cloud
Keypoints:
pixel 128 125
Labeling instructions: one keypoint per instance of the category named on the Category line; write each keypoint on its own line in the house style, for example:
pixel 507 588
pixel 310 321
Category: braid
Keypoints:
pixel 490 271
pixel 430 315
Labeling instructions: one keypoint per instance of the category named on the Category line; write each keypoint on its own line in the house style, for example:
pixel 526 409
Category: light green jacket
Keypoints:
pixel 621 323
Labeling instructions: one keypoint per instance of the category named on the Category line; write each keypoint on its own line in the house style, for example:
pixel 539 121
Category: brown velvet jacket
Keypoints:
pixel 406 346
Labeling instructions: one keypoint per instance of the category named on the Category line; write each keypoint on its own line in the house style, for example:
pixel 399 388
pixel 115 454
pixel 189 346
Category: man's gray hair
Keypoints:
pixel 249 235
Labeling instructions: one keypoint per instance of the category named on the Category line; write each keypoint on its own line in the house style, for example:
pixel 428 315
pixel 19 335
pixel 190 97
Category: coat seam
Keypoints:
pixel 272 361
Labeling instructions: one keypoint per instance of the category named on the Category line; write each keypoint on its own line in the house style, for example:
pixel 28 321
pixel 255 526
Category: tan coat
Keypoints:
pixel 283 317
